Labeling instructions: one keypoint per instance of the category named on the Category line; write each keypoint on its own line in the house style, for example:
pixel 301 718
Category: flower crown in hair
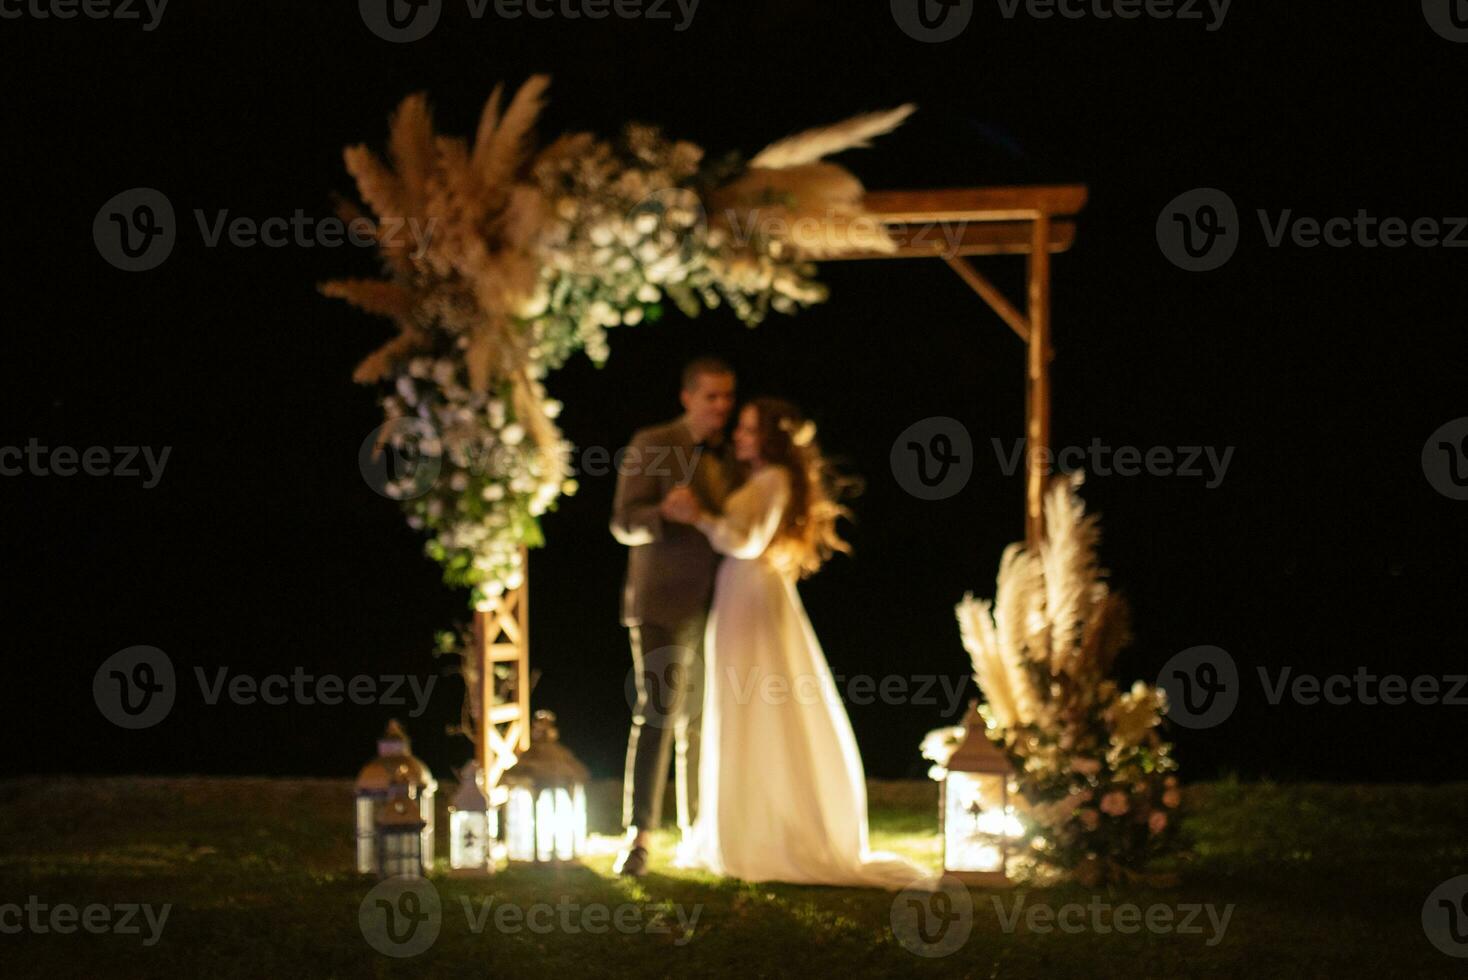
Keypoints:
pixel 801 433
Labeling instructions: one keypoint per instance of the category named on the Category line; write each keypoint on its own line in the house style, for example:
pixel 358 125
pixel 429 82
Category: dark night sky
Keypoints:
pixel 1325 369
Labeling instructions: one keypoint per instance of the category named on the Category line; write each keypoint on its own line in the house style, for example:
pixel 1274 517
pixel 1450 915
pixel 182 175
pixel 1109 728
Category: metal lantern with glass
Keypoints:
pixel 395 777
pixel 976 818
pixel 545 814
pixel 474 824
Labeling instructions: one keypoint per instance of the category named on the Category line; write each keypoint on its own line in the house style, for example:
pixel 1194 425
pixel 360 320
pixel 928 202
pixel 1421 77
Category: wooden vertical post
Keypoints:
pixel 502 636
pixel 1037 387
pixel 483 624
pixel 522 663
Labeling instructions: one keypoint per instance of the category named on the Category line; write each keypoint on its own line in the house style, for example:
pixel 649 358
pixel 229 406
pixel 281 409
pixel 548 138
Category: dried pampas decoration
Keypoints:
pixel 1054 626
pixel 789 193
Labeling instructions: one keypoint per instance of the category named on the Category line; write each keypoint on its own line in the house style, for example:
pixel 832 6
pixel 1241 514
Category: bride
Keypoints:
pixel 781 787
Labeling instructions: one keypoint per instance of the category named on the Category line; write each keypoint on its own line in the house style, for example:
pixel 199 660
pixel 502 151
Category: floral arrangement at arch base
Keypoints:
pixel 521 255
pixel 1097 794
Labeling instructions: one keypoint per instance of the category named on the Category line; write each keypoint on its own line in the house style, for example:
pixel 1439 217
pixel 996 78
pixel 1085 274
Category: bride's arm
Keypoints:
pixel 751 516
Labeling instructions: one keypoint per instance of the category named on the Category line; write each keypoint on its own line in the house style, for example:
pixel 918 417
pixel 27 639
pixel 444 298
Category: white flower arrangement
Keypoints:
pixel 535 255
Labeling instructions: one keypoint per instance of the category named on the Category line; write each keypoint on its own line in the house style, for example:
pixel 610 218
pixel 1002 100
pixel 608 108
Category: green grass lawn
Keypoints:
pixel 1323 881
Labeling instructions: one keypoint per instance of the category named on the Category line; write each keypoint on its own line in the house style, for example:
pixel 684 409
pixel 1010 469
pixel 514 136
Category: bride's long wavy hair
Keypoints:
pixel 807 535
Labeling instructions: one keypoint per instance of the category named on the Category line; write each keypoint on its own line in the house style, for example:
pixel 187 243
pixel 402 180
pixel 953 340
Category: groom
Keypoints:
pixel 670 578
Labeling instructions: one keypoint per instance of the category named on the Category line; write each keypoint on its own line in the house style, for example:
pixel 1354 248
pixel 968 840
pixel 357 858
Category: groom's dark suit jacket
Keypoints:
pixel 670 567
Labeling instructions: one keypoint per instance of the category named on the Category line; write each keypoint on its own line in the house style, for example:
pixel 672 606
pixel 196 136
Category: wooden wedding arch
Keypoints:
pixel 953 224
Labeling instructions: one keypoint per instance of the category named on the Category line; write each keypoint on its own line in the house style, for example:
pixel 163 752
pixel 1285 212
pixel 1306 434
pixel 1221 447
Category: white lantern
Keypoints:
pixel 545 815
pixel 395 774
pixel 976 819
pixel 474 823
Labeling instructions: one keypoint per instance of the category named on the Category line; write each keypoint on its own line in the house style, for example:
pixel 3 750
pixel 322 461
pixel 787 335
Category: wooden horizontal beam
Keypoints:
pixel 955 238
pixel 976 203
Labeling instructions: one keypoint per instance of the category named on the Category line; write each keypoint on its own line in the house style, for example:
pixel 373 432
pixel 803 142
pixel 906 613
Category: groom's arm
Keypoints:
pixel 635 515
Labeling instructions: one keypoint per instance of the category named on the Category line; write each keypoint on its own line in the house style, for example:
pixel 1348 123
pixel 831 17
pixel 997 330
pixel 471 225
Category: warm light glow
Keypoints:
pixel 976 822
pixel 548 826
pixel 520 825
pixel 545 826
pixel 469 838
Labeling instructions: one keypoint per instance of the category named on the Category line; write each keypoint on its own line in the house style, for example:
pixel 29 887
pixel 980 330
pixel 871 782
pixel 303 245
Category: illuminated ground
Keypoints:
pixel 1323 881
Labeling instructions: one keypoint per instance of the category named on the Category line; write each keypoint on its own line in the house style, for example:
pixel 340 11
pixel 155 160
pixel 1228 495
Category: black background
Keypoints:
pixel 1325 369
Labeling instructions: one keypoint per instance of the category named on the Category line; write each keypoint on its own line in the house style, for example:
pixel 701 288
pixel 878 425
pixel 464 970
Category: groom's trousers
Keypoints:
pixel 667 694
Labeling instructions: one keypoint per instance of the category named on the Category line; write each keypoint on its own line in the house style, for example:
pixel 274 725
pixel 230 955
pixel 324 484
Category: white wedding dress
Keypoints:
pixel 782 793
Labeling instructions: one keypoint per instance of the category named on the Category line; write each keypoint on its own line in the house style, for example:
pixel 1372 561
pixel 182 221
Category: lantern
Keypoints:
pixel 975 817
pixel 474 823
pixel 399 839
pixel 545 812
pixel 394 775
